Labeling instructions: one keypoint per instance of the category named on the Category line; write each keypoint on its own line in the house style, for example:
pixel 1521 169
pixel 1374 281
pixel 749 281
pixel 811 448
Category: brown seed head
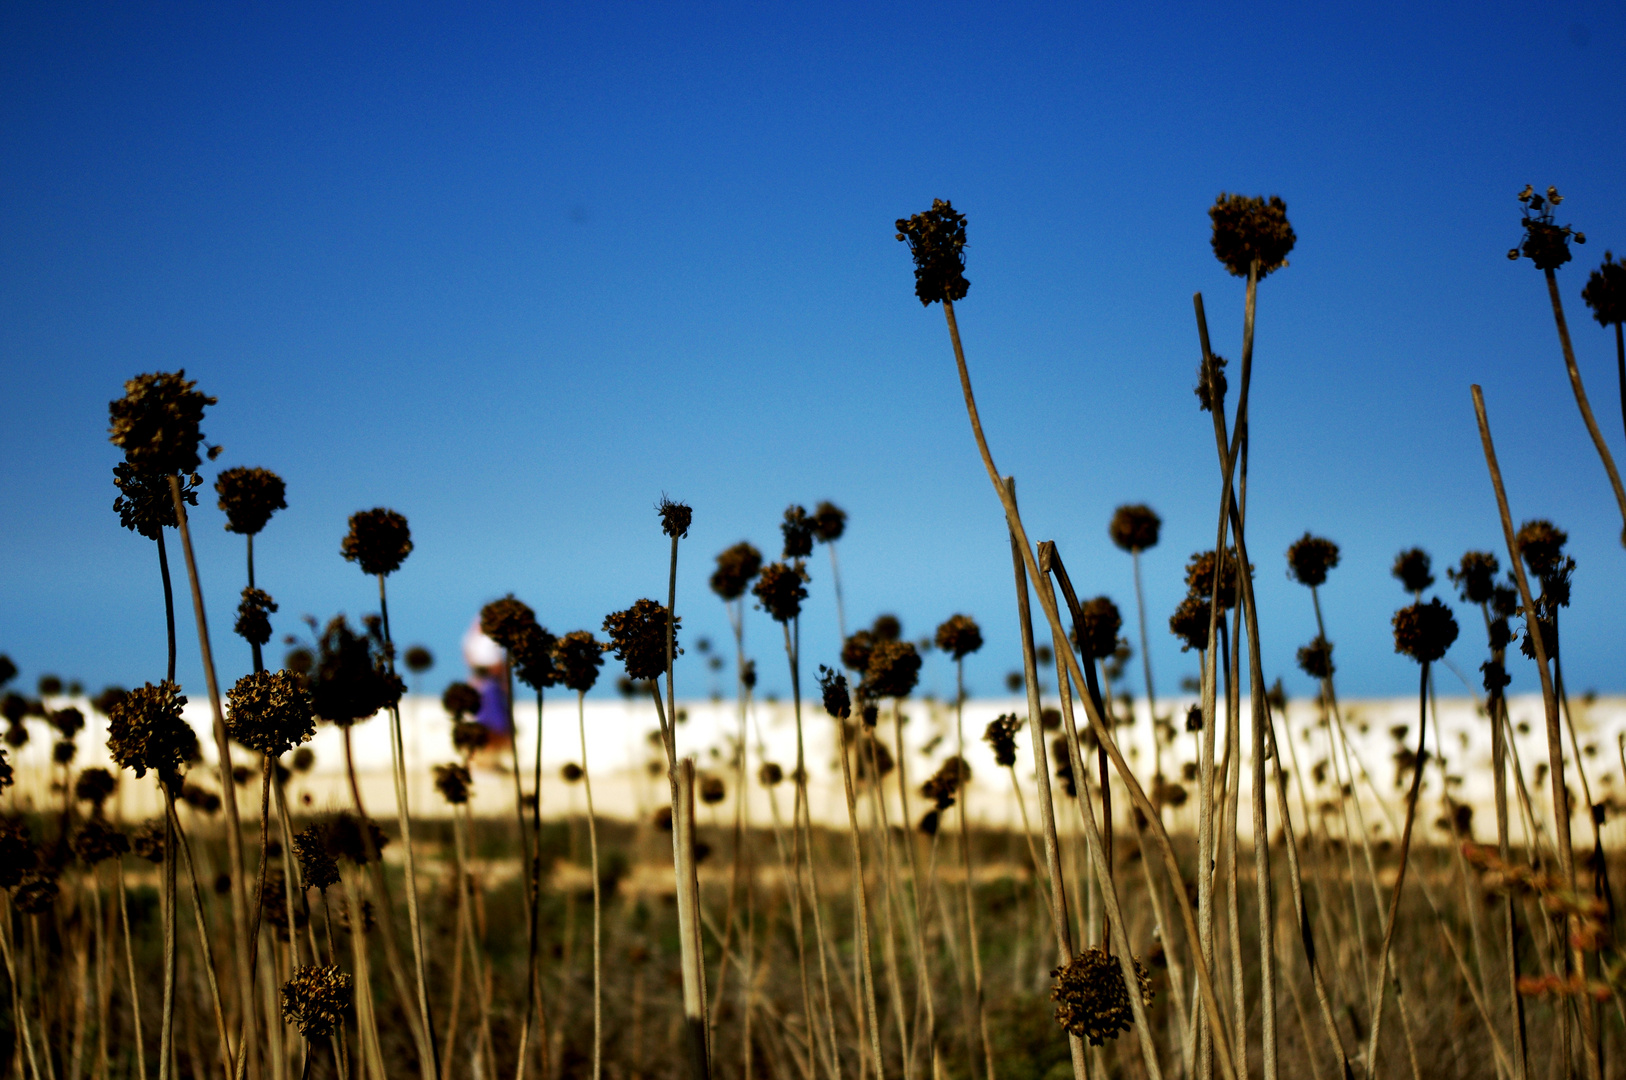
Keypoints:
pixel 1210 390
pixel 532 657
pixel 1091 1002
pixel 798 530
pixel 17 852
pixel 146 731
pixel 959 636
pixel 837 701
pixel 1475 577
pixel 1309 558
pixel 856 649
pixel 1541 545
pixel 269 711
pixel 507 621
pixel 95 785
pixel 770 775
pixel 1098 628
pixel 315 998
pixel 453 783
pixel 378 541
pixel 1545 243
pixel 1135 527
pixel 352 680
pixel 97 841
pixel 460 700
pixel 1424 631
pixel 936 239
pixel 712 790
pixel 157 422
pixel 829 522
pixel 145 503
pixel 353 839
pixel 316 863
pixel 1246 229
pixel 638 638
pixel 1605 291
pixel 249 497
pixel 37 893
pixel 1189 623
pixel 254 616
pixel 1200 578
pixel 780 590
pixel 675 517
pixel 736 567
pixel 1001 735
pixel 1413 569
pixel 892 671
pixel 578 656
pixel 1315 659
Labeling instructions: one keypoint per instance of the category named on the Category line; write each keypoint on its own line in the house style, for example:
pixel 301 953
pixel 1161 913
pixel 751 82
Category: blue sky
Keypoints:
pixel 516 271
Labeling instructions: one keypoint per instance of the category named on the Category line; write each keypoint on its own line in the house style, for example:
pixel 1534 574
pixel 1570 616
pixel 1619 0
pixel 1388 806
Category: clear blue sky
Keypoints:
pixel 517 270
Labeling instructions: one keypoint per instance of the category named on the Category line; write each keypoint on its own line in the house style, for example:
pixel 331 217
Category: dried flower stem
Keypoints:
pixel 694 990
pixel 234 833
pixel 1496 709
pixel 889 907
pixel 1555 743
pixel 19 1019
pixel 1581 398
pixel 169 605
pixel 917 916
pixel 1047 601
pixel 482 992
pixel 129 964
pixel 598 903
pixel 965 857
pixel 183 849
pixel 866 966
pixel 166 1030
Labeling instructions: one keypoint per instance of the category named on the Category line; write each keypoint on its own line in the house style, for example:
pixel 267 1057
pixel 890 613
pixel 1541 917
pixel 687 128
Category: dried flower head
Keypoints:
pixel 68 721
pixel 1091 1001
pixel 269 711
pixel 378 541
pixel 254 616
pixel 886 628
pixel 507 621
pixel 460 700
pixel 315 998
pixel 304 758
pixel 96 841
pixel 1541 545
pixel 780 590
pixel 577 656
pixel 532 657
pixel 1605 291
pixel 833 686
pixel 829 522
pixel 1315 659
pixel 1545 243
pixel 936 239
pixel 354 839
pixel 638 638
pixel 145 504
pixel 797 529
pixel 1001 735
pixel 469 737
pixel 712 790
pixel 17 852
pixel 37 893
pixel 317 867
pixel 1200 578
pixel 418 659
pixel 249 497
pixel 63 751
pixel 1413 569
pixel 1309 558
pixel 1209 390
pixel 892 671
pixel 8 777
pixel 675 517
pixel 352 680
pixel 736 568
pixel 959 636
pixel 1098 626
pixel 944 784
pixel 1475 577
pixel 157 423
pixel 1135 527
pixel 453 783
pixel 1424 631
pixel 770 775
pixel 1189 623
pixel 929 822
pixel 145 731
pixel 95 785
pixel 1246 229
pixel 856 649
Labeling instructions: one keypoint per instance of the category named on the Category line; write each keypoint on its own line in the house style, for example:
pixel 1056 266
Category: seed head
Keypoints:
pixel 943 785
pixel 936 239
pixel 453 783
pixel 712 790
pixel 1090 998
pixel 1200 578
pixel 1545 243
pixel 254 616
pixel 1413 569
pixel 1475 577
pixel 95 785
pixel 145 503
pixel 249 497
pixel 1605 291
pixel 1309 558
pixel 316 863
pixel 638 638
pixel 1315 659
pixel 736 568
pixel 1189 623
pixel 837 701
pixel 886 628
pixel 959 636
pixel 1541 545
pixel 1001 735
pixel 97 841
pixel 37 893
pixel 507 621
pixel 892 671
pixel 269 711
pixel 157 423
pixel 798 530
pixel 315 998
pixel 577 657
pixel 378 541
pixel 353 839
pixel 856 649
pixel 770 775
pixel 675 517
pixel 1098 628
pixel 469 737
pixel 304 758
pixel 18 855
pixel 68 721
pixel 145 731
pixel 1210 390
pixel 1424 631
pixel 1246 229
pixel 929 823
pixel 780 590
pixel 532 657
pixel 7 776
pixel 829 522
pixel 352 681
pixel 460 700
pixel 1135 527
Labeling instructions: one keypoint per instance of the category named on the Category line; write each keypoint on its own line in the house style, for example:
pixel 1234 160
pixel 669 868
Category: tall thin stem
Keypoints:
pixel 861 902
pixel 965 858
pixel 1581 399
pixel 130 972
pixel 598 904
pixel 169 605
